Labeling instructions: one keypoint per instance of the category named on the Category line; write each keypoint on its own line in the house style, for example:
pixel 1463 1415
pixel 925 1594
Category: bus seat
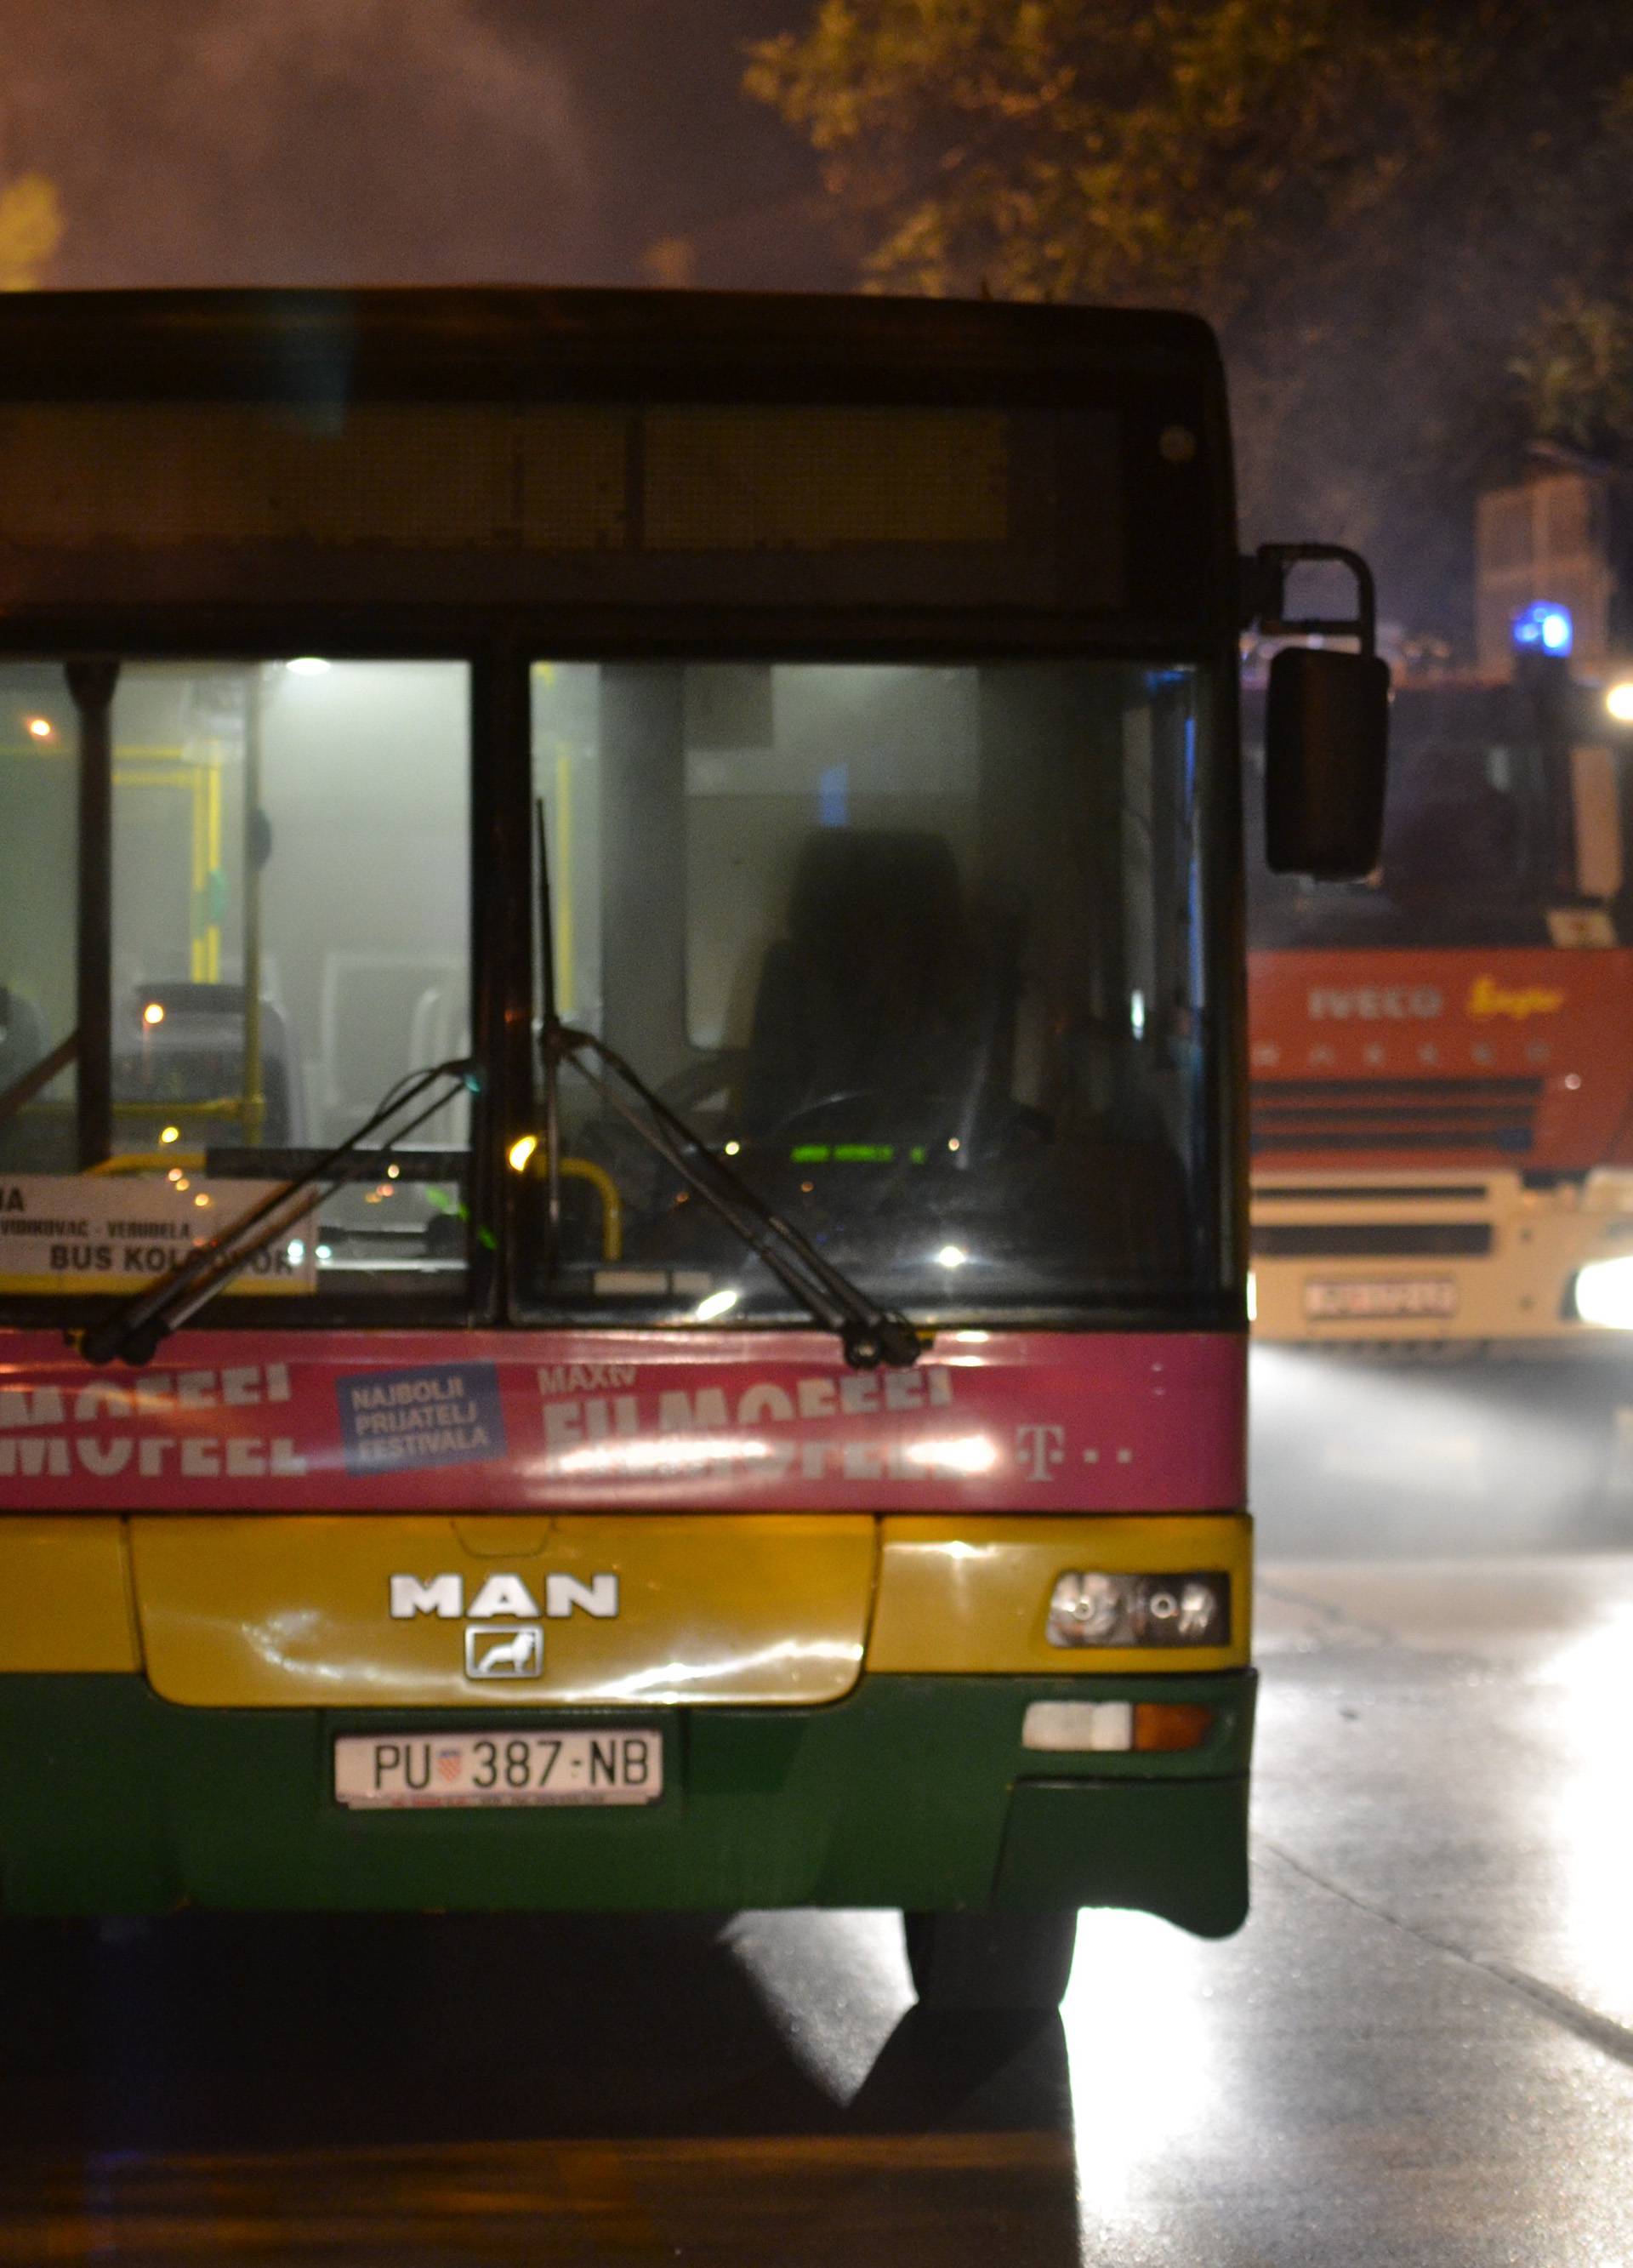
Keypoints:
pixel 439 1030
pixel 871 989
pixel 373 1017
pixel 37 1136
pixel 195 1053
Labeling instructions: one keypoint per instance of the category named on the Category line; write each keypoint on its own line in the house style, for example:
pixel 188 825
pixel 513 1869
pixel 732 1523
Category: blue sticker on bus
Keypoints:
pixel 445 1414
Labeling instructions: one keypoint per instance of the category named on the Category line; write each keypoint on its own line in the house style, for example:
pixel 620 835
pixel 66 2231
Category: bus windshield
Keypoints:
pixel 917 948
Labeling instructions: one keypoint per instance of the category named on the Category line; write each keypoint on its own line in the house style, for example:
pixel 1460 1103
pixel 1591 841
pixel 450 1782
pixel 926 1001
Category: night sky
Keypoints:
pixel 417 141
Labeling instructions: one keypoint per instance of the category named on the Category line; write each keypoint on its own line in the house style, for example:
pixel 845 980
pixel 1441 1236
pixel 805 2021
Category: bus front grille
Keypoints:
pixel 1405 1114
pixel 1372 1239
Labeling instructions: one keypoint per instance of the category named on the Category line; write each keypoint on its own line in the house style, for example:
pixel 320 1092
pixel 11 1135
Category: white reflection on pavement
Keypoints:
pixel 1142 2056
pixel 1589 1820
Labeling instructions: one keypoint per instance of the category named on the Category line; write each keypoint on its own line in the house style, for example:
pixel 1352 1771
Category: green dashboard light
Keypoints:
pixel 845 1153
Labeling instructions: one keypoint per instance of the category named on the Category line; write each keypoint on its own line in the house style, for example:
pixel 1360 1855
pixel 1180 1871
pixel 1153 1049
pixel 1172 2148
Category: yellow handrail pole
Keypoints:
pixel 585 1170
pixel 199 961
pixel 212 927
pixel 167 1106
pixel 148 1161
pixel 254 1093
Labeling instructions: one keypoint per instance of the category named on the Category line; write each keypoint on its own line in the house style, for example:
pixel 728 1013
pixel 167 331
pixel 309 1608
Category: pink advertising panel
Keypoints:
pixel 415 1421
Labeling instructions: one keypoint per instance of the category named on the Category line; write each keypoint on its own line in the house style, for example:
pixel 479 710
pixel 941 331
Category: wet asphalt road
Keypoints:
pixel 1419 2049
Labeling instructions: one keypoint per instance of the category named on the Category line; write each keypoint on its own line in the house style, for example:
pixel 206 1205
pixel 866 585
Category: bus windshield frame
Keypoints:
pixel 865 1189
pixel 191 605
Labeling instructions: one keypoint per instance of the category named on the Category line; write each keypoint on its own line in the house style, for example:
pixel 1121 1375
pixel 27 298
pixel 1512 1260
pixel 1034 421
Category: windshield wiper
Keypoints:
pixel 870 1335
pixel 135 1329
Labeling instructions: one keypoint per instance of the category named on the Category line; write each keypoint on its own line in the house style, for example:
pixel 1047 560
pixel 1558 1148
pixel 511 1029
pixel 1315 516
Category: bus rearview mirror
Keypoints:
pixel 1326 738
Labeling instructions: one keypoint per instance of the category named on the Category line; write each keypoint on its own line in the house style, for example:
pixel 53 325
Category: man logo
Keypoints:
pixel 496 1649
pixel 492 1650
pixel 564 1596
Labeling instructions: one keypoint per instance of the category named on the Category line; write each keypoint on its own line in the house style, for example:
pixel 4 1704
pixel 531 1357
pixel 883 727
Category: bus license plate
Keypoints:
pixel 1386 1298
pixel 468 1771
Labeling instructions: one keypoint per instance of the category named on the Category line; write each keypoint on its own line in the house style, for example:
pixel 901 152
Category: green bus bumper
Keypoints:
pixel 912 1791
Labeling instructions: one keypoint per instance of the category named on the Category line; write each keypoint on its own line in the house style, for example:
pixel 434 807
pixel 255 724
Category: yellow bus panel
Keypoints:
pixel 974 1594
pixel 65 1596
pixel 351 1612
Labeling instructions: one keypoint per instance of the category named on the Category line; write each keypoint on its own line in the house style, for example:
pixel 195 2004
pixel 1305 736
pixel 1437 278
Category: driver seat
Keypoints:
pixel 873 991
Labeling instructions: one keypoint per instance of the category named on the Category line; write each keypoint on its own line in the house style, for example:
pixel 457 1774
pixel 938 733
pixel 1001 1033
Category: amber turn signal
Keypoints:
pixel 1171 1725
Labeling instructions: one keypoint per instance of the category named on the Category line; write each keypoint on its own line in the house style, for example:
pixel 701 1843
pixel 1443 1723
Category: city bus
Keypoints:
pixel 621 1197
pixel 1442 1118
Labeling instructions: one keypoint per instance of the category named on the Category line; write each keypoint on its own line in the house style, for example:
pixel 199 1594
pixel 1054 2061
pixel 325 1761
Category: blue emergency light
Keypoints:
pixel 1544 628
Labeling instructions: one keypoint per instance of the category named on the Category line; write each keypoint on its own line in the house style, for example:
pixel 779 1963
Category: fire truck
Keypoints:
pixel 1441 1054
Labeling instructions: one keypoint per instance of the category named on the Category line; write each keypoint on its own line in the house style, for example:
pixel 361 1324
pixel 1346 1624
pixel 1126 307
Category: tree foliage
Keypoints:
pixel 1575 361
pixel 30 229
pixel 1575 370
pixel 1386 205
pixel 1063 149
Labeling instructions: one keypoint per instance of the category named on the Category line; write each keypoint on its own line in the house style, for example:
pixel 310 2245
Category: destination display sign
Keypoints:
pixel 67 1232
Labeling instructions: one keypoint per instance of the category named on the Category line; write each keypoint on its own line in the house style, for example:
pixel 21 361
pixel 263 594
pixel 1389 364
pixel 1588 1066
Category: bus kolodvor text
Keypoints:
pixel 622 1144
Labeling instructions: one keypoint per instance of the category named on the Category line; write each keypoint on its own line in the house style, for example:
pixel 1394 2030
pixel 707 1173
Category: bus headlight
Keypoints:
pixel 1604 1293
pixel 1087 1607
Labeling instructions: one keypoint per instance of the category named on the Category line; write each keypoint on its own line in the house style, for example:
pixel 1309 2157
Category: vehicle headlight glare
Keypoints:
pixel 1088 1607
pixel 1604 1293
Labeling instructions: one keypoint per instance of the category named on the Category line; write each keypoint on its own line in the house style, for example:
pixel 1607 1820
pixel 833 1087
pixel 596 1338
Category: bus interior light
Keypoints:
pixel 1619 701
pixel 717 1303
pixel 1603 1294
pixel 153 1013
pixel 521 1152
pixel 41 728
